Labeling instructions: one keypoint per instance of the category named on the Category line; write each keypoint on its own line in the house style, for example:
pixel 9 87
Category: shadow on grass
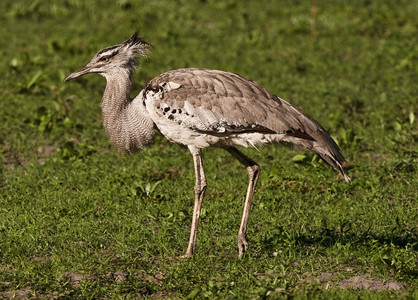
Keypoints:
pixel 328 237
pixel 387 247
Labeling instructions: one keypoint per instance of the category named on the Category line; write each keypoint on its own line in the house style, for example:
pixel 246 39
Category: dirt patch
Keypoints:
pixel 154 279
pixel 379 156
pixel 44 152
pixel 17 294
pixel 41 259
pixel 14 160
pixel 117 276
pixel 75 279
pixel 5 283
pixel 329 280
pixel 323 277
pixel 372 284
pixel 326 279
pixel 163 295
pixel 6 268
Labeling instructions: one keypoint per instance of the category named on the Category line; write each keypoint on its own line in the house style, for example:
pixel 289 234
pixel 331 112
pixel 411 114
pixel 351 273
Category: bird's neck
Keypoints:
pixel 126 122
pixel 116 95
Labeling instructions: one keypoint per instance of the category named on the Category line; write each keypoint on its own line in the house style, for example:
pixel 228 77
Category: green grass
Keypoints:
pixel 79 221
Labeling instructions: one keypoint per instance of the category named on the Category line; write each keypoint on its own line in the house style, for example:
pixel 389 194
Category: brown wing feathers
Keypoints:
pixel 227 103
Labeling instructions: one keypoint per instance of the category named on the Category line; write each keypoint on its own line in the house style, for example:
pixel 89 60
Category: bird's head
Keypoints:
pixel 121 56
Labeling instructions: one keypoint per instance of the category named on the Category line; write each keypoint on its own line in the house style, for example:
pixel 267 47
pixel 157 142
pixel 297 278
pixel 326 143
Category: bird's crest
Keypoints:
pixel 137 45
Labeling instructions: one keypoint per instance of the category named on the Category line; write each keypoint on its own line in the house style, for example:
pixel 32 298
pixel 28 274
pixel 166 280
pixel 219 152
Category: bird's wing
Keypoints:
pixel 218 102
pixel 222 103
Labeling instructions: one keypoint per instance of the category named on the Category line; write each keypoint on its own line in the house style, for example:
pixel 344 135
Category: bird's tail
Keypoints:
pixel 326 149
pixel 335 161
pixel 313 137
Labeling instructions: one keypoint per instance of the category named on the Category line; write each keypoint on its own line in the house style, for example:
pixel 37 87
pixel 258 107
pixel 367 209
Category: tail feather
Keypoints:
pixel 336 164
pixel 324 146
pixel 305 132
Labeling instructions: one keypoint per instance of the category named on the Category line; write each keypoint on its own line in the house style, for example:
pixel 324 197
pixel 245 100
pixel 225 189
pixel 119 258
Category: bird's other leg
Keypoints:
pixel 253 173
pixel 199 190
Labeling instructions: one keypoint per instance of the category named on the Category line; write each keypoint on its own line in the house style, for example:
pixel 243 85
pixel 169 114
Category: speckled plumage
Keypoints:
pixel 228 109
pixel 200 108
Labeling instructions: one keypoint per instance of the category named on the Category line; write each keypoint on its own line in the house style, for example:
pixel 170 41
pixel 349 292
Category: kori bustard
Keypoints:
pixel 199 108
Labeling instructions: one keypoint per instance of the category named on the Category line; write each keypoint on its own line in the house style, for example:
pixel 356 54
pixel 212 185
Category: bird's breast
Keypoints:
pixel 173 127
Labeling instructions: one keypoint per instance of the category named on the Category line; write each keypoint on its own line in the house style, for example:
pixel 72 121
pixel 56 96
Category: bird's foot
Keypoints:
pixel 187 255
pixel 242 244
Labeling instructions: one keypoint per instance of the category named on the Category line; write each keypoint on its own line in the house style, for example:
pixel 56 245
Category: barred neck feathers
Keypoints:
pixel 125 120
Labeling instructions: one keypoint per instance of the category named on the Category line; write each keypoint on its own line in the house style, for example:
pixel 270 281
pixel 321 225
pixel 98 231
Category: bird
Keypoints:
pixel 199 108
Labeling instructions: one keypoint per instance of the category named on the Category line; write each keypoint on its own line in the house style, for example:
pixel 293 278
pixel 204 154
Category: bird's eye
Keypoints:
pixel 106 58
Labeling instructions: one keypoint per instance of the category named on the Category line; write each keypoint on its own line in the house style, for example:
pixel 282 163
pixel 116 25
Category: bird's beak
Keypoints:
pixel 85 70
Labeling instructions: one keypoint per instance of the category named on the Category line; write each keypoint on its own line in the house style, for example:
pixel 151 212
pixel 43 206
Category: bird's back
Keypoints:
pixel 217 105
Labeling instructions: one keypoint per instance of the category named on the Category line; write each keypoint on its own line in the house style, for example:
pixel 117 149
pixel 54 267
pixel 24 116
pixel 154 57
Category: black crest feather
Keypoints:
pixel 138 45
pixel 136 40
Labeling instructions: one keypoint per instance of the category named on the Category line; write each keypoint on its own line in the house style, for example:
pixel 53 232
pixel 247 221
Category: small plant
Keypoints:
pixel 148 190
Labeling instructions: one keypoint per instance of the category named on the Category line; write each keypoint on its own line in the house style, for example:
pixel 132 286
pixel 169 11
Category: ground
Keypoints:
pixel 78 220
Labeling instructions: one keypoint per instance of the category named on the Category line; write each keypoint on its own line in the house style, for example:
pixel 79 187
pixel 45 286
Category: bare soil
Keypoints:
pixel 359 282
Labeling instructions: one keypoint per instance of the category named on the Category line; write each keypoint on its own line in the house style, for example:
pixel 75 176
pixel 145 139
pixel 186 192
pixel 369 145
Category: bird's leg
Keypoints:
pixel 199 189
pixel 253 173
